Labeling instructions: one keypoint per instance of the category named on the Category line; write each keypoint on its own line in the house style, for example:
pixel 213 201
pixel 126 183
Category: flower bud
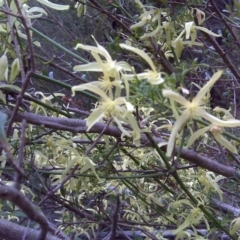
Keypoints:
pixel 3 67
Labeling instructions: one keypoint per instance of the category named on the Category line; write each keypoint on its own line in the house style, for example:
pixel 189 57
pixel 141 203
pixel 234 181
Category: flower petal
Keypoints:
pixel 188 28
pixel 197 134
pixel 177 126
pixel 92 88
pixel 53 5
pixel 175 96
pixel 141 53
pixel 206 88
pixel 208 31
pixel 225 143
pixel 217 121
pixel 93 67
pixel 96 115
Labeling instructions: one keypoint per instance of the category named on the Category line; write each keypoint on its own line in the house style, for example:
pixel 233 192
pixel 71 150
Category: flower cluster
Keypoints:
pixel 115 77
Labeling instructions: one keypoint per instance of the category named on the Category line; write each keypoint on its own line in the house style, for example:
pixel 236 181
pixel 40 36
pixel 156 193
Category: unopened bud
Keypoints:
pixel 3 67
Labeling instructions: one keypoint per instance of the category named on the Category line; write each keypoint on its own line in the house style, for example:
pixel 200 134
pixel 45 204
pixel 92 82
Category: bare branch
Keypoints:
pixel 12 231
pixel 79 126
pixel 15 196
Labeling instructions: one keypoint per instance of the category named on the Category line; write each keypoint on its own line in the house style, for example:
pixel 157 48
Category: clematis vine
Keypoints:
pixel 111 69
pixel 118 109
pixel 194 109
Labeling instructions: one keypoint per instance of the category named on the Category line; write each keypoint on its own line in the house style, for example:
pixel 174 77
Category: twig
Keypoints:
pixel 21 154
pixel 79 126
pixel 222 54
pixel 115 219
pixel 11 160
pixel 12 231
pixel 109 153
pixel 31 61
pixel 98 138
pixel 55 189
pixel 16 197
pixel 224 21
pixel 226 207
pixel 110 15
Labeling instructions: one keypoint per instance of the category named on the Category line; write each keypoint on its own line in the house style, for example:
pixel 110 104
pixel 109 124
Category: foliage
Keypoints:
pixel 120 133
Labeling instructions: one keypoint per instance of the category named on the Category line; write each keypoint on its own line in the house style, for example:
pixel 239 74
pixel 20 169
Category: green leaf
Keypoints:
pixel 2 97
pixel 3 120
pixel 19 214
pixel 15 69
pixel 3 67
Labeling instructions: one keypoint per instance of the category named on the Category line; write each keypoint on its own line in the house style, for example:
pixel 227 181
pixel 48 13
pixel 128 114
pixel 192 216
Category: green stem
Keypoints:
pixel 144 168
pixel 62 84
pixel 185 189
pixel 58 45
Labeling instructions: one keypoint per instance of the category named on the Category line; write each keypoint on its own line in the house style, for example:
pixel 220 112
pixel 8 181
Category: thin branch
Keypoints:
pixel 110 15
pixel 31 61
pixel 115 219
pixel 222 55
pixel 226 207
pixel 16 197
pixel 21 154
pixel 55 189
pixel 79 126
pixel 98 138
pixel 12 231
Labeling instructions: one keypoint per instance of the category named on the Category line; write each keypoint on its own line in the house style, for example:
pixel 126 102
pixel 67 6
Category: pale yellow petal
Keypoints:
pixel 103 51
pixel 197 134
pixel 217 121
pixel 176 128
pixel 36 9
pixel 3 67
pixel 53 5
pixel 139 24
pixel 91 67
pixel 175 96
pixel 188 28
pixel 207 87
pixel 208 31
pixel 92 88
pixel 136 130
pixel 96 115
pixel 141 53
pixel 15 69
pixel 151 34
pixel 122 101
pixel 225 143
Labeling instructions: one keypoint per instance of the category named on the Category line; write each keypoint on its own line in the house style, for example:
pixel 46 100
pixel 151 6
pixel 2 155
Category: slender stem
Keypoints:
pixel 185 189
pixel 59 46
pixel 62 84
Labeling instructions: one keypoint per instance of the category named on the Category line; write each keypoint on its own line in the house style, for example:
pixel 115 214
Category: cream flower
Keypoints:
pixel 117 109
pixel 152 76
pixel 112 67
pixel 193 110
pixel 217 133
pixel 109 67
pixel 190 30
